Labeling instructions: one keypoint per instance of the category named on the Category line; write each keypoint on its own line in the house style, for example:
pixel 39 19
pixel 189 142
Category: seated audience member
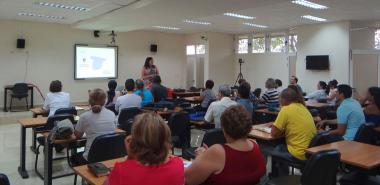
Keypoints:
pixel 145 94
pixel 111 93
pixel 349 115
pixel 299 94
pixel 207 96
pixel 238 162
pixel 320 93
pixel 56 99
pixel 216 108
pixel 295 122
pixel 333 91
pixel 294 81
pixel 159 91
pixel 270 96
pixel 279 85
pixel 371 104
pixel 95 122
pixel 130 99
pixel 149 161
pixel 243 96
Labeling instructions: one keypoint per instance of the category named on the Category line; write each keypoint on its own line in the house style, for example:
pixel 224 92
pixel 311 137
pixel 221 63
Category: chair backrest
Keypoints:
pixel 126 117
pixel 69 110
pixel 106 147
pixel 53 119
pixel 214 136
pixel 179 126
pixel 4 179
pixel 366 133
pixel 320 139
pixel 321 168
pixel 20 88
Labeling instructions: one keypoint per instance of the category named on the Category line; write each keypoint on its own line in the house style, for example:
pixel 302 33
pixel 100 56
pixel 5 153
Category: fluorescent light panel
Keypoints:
pixel 255 25
pixel 238 16
pixel 310 4
pixel 313 18
pixel 196 22
pixel 166 27
pixel 62 6
pixel 30 14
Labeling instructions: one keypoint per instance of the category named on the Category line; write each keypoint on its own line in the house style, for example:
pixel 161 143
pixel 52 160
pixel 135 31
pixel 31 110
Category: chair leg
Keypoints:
pixel 75 179
pixel 36 162
pixel 10 105
pixel 27 103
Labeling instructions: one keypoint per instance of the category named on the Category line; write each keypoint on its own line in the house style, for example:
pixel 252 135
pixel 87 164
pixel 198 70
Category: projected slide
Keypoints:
pixel 95 62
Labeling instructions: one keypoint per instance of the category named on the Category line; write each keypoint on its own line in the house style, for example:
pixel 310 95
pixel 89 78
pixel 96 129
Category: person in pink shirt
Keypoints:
pixel 149 161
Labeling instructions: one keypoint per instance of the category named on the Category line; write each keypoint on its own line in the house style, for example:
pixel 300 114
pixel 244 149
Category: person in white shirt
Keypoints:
pixel 56 99
pixel 215 110
pixel 95 122
pixel 130 99
pixel 320 93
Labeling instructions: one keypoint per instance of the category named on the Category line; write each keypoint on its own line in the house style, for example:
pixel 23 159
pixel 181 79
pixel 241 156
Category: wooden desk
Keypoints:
pixel 257 134
pixel 38 111
pixel 90 178
pixel 193 99
pixel 266 111
pixel 197 122
pixel 9 88
pixel 185 94
pixel 353 153
pixel 317 105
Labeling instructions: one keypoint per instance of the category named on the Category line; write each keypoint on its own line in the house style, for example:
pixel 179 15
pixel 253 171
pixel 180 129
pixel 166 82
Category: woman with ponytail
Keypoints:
pixel 95 122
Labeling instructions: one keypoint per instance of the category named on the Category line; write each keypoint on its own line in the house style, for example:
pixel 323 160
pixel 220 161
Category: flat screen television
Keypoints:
pixel 317 62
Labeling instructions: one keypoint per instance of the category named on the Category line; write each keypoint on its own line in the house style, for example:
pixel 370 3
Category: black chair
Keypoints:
pixel 69 110
pixel 320 169
pixel 126 117
pixel 41 140
pixel 366 134
pixel 105 147
pixel 211 137
pixel 179 124
pixel 19 91
pixel 4 179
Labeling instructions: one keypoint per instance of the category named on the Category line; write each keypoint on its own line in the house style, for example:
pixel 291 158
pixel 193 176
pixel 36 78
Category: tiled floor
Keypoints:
pixel 9 153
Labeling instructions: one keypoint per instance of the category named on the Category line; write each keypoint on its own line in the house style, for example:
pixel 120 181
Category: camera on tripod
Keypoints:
pixel 241 61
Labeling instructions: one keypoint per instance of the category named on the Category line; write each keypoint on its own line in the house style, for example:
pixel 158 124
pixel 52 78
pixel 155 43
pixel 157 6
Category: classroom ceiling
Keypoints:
pixel 129 15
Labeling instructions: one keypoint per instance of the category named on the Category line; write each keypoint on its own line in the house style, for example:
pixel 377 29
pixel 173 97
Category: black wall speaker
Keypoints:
pixel 21 43
pixel 153 48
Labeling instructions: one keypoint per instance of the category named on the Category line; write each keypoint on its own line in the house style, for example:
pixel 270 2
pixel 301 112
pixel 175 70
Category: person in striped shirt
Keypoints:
pixel 270 96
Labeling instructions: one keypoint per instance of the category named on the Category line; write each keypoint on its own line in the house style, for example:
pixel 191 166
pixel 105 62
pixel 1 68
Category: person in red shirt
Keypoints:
pixel 149 161
pixel 238 162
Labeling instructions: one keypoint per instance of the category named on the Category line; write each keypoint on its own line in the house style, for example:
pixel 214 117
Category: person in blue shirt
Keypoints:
pixel 243 93
pixel 145 94
pixel 350 114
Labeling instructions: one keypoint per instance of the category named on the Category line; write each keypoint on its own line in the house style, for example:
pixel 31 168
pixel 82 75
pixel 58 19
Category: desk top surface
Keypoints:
pixel 315 104
pixel 257 134
pixel 266 111
pixel 354 153
pixel 84 172
pixel 33 122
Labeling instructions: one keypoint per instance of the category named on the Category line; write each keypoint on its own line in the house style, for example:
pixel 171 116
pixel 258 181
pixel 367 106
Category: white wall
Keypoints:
pixel 323 39
pixel 51 54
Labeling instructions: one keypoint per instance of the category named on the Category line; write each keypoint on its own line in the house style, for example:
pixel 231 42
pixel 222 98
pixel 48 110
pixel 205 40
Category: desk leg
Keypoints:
pixel 48 155
pixel 5 100
pixel 31 98
pixel 21 169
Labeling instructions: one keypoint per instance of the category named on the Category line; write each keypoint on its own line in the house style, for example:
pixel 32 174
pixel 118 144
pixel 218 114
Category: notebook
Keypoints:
pixel 98 169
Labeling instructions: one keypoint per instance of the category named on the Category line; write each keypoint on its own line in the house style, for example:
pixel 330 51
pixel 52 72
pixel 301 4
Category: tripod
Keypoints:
pixel 240 75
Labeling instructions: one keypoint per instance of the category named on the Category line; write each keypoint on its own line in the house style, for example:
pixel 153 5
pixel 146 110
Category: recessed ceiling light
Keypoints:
pixel 62 6
pixel 30 14
pixel 196 22
pixel 310 4
pixel 238 16
pixel 255 25
pixel 166 27
pixel 313 18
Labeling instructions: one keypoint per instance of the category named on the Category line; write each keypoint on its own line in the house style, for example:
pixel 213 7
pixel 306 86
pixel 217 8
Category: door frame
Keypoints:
pixel 363 52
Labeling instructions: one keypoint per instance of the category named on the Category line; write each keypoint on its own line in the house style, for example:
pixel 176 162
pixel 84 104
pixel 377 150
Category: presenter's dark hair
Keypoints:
pixel 130 85
pixel 55 86
pixel 112 84
pixel 147 61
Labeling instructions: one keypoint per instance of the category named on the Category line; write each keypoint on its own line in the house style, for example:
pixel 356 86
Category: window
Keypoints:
pixel 190 50
pixel 243 46
pixel 277 44
pixel 377 39
pixel 258 45
pixel 293 43
pixel 200 49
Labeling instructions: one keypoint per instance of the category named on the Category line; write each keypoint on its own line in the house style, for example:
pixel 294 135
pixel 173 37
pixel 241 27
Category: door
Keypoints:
pixel 292 65
pixel 199 71
pixel 364 72
pixel 190 71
